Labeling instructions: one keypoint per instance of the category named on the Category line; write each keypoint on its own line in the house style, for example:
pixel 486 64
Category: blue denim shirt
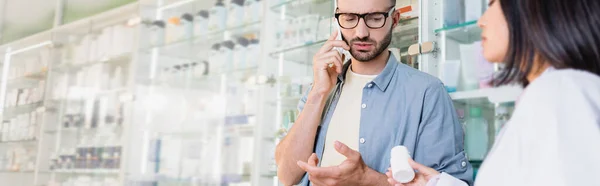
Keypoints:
pixel 404 107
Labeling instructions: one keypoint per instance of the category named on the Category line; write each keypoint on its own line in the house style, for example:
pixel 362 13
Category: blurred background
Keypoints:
pixel 198 92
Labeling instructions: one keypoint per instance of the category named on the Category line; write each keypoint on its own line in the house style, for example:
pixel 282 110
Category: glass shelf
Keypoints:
pixel 209 82
pixel 55 103
pixel 410 20
pixel 301 53
pixel 406 33
pixel 505 94
pixel 73 67
pixel 21 109
pixel 188 48
pixel 243 130
pixel 22 83
pixel 87 171
pixel 84 130
pixel 287 102
pixel 39 75
pixel 27 81
pixel 19 142
pixel 467 32
pixel 297 8
pixel 17 172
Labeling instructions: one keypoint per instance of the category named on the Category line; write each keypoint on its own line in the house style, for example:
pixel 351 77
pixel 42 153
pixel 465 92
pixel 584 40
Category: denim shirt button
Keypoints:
pixel 362 140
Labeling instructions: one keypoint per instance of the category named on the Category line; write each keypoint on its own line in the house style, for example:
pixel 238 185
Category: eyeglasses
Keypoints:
pixel 373 20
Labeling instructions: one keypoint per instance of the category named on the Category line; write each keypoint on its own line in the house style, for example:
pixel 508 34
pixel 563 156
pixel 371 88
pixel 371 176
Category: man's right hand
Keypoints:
pixel 327 64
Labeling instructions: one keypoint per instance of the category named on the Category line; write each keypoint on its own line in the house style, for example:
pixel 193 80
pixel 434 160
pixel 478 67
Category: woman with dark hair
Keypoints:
pixel 552 47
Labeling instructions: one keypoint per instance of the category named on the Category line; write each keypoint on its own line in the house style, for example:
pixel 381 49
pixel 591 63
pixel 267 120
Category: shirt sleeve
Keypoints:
pixel 301 104
pixel 440 142
pixel 304 181
pixel 559 131
pixel 445 180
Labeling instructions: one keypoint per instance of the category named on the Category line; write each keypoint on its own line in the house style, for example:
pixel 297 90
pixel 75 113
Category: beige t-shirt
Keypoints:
pixel 345 122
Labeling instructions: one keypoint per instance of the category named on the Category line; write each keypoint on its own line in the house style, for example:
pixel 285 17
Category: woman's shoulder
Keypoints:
pixel 565 84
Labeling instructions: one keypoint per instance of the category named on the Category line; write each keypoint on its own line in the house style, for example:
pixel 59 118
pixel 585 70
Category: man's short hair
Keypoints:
pixel 391 1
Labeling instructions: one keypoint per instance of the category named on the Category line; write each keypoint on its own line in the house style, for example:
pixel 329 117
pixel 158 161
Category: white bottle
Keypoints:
pixel 469 74
pixel 174 31
pixel 249 11
pixel 453 12
pixel 158 33
pixel 187 21
pixel 201 23
pixel 258 9
pixel 476 136
pixel 218 17
pixel 2 133
pixel 214 61
pixel 253 50
pixel 401 169
pixel 474 9
pixel 240 53
pixel 451 75
pixel 226 56
pixel 117 41
pixel 104 44
pixel 502 118
pixel 311 28
pixel 117 80
pixel 236 13
pixel 200 69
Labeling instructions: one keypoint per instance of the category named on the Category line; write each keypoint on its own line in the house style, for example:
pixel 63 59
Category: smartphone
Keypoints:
pixel 345 54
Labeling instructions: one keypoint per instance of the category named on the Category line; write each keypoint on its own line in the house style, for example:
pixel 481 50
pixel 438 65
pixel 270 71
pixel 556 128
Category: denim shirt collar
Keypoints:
pixel 382 81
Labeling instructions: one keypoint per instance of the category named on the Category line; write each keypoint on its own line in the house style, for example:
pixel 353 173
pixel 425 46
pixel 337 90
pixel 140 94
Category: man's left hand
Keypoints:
pixel 352 172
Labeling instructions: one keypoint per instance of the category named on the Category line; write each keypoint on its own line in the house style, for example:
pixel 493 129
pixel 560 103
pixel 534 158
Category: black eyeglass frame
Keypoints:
pixel 362 16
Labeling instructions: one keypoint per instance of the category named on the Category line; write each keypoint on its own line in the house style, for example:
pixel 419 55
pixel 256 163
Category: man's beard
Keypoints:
pixel 365 56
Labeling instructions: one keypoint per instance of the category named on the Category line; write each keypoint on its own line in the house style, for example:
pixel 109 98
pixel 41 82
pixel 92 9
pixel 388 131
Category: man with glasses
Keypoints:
pixel 357 111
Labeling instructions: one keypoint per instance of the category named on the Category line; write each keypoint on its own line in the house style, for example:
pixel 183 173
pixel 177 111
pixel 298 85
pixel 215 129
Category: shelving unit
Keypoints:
pixel 297 8
pixel 458 54
pixel 230 114
pixel 467 32
pixel 498 95
pixel 185 48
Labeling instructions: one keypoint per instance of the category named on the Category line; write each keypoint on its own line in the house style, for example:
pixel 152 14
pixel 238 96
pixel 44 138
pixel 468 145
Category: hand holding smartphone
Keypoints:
pixel 328 63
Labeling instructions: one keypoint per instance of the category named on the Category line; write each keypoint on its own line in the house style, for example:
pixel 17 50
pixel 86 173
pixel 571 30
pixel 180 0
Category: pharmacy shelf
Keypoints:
pixel 504 94
pixel 16 172
pixel 244 130
pixel 89 93
pixel 410 20
pixel 464 33
pixel 80 130
pixel 406 33
pixel 300 53
pixel 29 80
pixel 124 14
pixel 87 171
pixel 77 66
pixel 22 83
pixel 30 45
pixel 210 82
pixel 188 48
pixel 19 142
pixel 21 109
pixel 287 102
pixel 297 8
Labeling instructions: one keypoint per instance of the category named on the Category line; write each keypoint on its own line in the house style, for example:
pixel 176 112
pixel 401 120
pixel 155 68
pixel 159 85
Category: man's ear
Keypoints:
pixel 395 18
